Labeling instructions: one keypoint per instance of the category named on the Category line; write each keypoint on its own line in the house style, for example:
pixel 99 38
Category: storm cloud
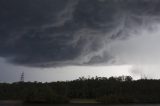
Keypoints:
pixel 45 33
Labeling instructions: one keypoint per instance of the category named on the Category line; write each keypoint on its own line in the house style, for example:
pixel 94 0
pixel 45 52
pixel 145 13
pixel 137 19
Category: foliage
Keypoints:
pixel 105 90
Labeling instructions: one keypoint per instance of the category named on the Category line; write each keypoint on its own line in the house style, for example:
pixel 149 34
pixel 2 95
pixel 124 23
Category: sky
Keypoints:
pixel 57 40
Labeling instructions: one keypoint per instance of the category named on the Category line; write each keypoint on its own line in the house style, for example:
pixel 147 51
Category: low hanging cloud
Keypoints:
pixel 44 33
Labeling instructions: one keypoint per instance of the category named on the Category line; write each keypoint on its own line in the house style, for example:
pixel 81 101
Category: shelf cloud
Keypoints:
pixel 53 33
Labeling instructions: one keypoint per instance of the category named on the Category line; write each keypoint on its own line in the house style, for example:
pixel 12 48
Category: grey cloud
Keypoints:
pixel 43 33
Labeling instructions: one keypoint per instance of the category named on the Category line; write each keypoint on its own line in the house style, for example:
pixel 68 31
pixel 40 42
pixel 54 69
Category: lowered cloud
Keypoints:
pixel 72 32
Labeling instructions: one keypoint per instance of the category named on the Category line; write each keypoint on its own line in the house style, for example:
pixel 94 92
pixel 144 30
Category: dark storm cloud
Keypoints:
pixel 67 32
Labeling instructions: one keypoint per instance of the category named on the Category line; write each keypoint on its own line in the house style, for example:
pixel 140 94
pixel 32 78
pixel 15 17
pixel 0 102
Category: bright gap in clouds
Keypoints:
pixel 73 72
pixel 11 73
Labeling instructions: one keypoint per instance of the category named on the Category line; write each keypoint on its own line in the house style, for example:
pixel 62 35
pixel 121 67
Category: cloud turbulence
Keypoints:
pixel 46 33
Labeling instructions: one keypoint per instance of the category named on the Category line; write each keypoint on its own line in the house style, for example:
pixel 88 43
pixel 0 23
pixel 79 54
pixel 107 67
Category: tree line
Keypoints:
pixel 121 89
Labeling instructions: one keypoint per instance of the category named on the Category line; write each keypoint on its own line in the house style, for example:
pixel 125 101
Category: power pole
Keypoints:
pixel 22 77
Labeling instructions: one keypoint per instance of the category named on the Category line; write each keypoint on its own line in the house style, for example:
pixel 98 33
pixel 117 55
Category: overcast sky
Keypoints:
pixel 52 40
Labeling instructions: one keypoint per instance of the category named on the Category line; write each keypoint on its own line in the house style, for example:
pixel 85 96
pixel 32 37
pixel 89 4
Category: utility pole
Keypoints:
pixel 22 77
